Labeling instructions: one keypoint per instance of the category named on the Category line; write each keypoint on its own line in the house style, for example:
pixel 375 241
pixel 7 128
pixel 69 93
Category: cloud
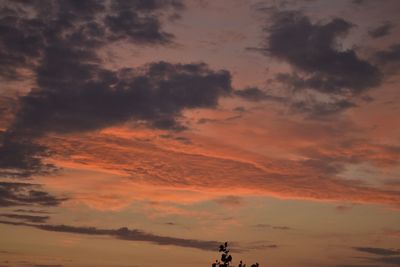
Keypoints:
pixel 251 93
pixel 124 234
pixel 381 31
pixel 170 224
pixel 311 106
pixel 27 218
pixel 379 251
pixel 312 49
pixel 76 97
pixel 389 59
pixel 261 245
pixel 136 20
pixel 24 194
pixel 255 94
pixel 22 158
pixel 353 151
pixel 275 227
pixel 389 260
pixel 393 54
pixel 187 174
pixel 32 211
pixel 315 109
pixel 29 28
pixel 59 42
pixel 156 94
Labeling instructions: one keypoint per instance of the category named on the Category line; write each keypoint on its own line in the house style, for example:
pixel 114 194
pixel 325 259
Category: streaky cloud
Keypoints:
pixel 124 234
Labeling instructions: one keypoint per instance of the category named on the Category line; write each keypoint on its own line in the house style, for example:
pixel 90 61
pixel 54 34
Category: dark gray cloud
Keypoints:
pixel 251 94
pixel 25 194
pixel 59 40
pixel 26 218
pixel 389 260
pixel 75 96
pixel 137 21
pixel 379 251
pixel 314 52
pixel 310 106
pixel 389 59
pixel 255 94
pixel 124 234
pixel 29 28
pixel 382 30
pixel 320 110
pixel 382 256
pixel 19 157
pixel 155 94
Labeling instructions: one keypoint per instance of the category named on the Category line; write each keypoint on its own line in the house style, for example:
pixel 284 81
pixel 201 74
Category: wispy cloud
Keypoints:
pixel 379 251
pixel 124 234
pixel 24 194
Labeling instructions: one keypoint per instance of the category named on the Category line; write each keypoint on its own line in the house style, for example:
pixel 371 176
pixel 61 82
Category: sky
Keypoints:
pixel 148 132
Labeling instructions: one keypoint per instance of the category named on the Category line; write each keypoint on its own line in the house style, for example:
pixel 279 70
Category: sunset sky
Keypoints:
pixel 148 132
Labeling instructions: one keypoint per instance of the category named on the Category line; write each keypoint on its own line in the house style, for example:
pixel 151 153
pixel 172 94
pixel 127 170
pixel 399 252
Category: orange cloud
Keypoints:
pixel 136 169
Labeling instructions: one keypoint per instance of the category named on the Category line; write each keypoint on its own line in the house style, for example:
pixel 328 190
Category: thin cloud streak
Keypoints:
pixel 123 234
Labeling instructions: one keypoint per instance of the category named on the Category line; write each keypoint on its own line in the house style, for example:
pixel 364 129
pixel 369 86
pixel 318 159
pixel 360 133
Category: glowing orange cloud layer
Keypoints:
pixel 135 168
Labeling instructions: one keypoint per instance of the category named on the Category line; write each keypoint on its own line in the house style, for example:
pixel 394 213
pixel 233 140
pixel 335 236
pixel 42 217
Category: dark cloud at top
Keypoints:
pixel 379 251
pixel 155 94
pixel 135 20
pixel 29 28
pixel 313 50
pixel 381 31
pixel 75 96
pixel 59 42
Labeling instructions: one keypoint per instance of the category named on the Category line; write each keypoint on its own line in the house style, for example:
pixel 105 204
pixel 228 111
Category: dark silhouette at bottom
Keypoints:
pixel 226 258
